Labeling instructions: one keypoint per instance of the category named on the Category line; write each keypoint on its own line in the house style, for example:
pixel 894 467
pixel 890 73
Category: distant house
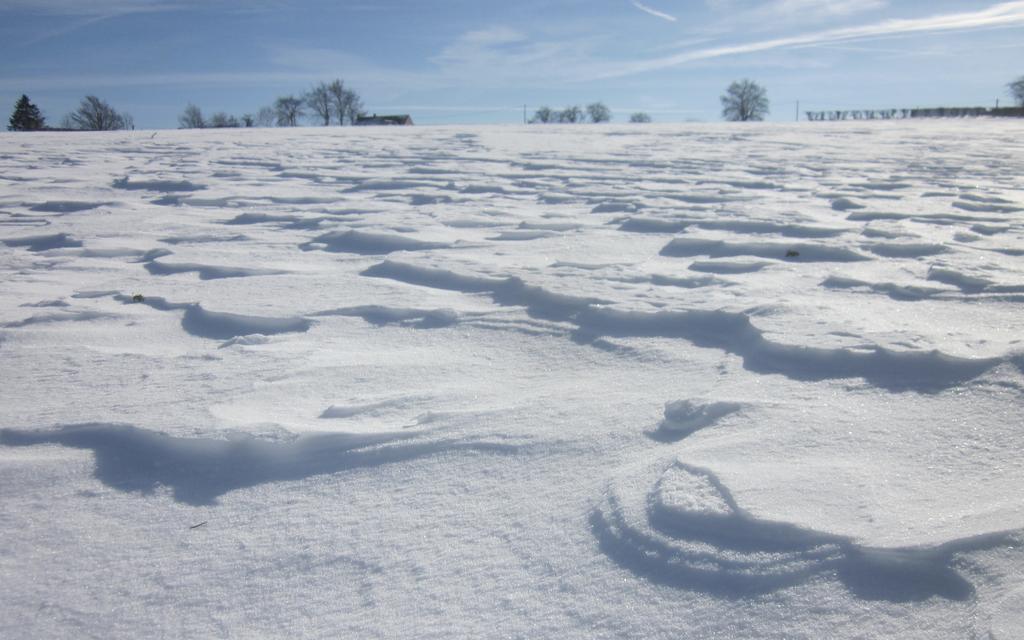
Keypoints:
pixel 385 120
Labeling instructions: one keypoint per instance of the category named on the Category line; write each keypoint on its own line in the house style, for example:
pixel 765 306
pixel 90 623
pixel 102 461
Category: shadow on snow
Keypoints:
pixel 200 470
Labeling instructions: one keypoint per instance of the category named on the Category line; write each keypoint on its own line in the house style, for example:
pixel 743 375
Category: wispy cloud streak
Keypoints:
pixel 1005 14
pixel 653 12
pixel 124 7
pixel 94 8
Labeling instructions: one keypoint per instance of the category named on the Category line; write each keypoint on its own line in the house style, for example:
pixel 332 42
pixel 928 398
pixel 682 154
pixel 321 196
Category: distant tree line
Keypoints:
pixel 325 104
pixel 742 101
pixel 1015 89
pixel 903 114
pixel 192 118
pixel 595 112
pixel 92 114
pixel 330 103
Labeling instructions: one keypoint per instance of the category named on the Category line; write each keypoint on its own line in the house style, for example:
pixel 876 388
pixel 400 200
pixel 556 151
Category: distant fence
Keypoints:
pixel 902 114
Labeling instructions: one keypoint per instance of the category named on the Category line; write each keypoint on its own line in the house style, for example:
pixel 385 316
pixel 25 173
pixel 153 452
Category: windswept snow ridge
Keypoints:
pixel 219 325
pixel 731 332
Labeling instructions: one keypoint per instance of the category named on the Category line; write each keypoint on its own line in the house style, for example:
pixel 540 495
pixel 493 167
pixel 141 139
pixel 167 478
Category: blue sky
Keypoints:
pixel 476 61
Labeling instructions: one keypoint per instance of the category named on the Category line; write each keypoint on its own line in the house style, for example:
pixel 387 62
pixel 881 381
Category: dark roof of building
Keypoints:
pixel 376 119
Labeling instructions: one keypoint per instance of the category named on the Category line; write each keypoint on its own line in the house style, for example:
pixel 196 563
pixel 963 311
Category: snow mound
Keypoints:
pixel 683 417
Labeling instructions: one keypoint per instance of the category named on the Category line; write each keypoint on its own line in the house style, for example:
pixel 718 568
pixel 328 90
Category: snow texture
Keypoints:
pixel 530 382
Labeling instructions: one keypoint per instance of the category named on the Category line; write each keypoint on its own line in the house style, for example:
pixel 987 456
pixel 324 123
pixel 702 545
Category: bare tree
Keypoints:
pixel 288 110
pixel 598 112
pixel 1016 89
pixel 191 118
pixel 221 120
pixel 265 117
pixel 571 115
pixel 744 100
pixel 319 100
pixel 543 115
pixel 639 116
pixel 94 114
pixel 338 96
pixel 353 106
pixel 248 120
pixel 345 104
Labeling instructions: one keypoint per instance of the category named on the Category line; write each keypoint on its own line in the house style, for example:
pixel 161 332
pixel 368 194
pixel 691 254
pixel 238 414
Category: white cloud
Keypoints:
pixel 1005 14
pixel 653 12
pixel 822 8
pixel 499 56
pixel 303 66
pixel 491 45
pixel 493 36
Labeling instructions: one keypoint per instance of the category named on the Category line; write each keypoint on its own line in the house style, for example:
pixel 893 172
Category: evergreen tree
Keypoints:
pixel 26 116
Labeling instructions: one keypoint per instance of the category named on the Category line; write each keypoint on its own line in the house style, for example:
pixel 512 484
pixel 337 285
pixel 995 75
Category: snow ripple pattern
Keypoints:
pixel 403 300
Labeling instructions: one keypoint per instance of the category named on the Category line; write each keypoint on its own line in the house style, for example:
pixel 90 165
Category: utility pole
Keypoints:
pixel 524 114
pixel 798 111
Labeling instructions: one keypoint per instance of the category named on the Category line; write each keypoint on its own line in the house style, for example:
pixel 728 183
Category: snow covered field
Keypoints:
pixel 702 381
